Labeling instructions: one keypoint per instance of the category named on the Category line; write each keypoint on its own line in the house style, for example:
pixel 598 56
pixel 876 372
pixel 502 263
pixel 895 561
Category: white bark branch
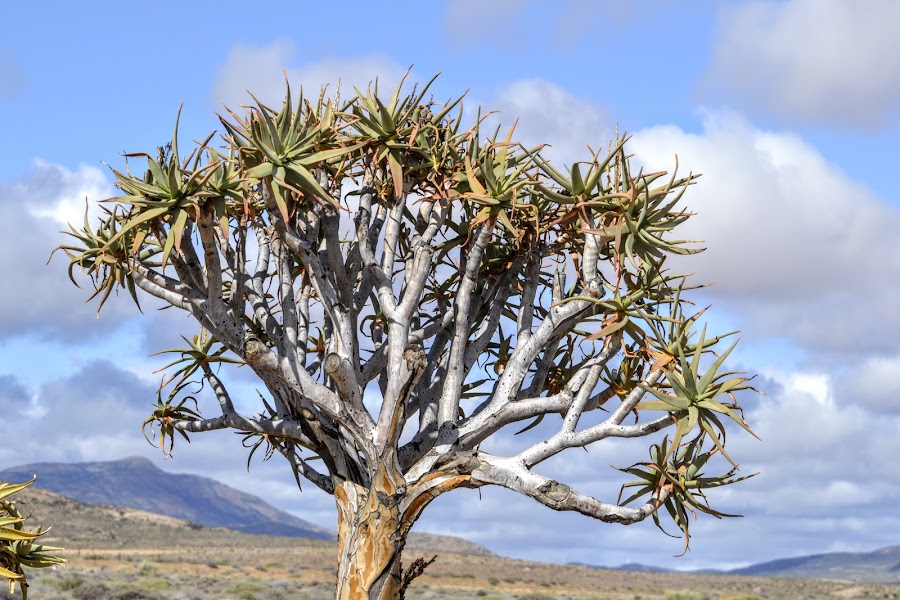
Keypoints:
pixel 454 376
pixel 514 476
pixel 567 437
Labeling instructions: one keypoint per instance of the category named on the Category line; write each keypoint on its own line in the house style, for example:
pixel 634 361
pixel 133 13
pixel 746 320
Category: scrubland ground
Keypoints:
pixel 255 570
pixel 121 554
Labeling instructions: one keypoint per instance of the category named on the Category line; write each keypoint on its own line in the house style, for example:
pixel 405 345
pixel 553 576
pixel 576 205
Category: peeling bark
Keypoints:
pixel 371 537
pixel 373 525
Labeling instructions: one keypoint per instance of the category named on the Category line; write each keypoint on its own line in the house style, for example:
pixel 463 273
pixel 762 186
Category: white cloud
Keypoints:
pixel 65 192
pixel 826 61
pixel 40 301
pixel 796 247
pixel 91 415
pixel 548 114
pixel 802 419
pixel 38 298
pixel 815 438
pixel 827 479
pixel 874 384
pixel 261 71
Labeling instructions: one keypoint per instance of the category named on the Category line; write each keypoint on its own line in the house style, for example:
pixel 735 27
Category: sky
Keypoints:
pixel 789 109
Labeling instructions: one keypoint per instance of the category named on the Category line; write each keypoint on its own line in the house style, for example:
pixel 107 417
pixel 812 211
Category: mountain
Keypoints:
pixel 629 567
pixel 78 525
pixel 881 566
pixel 641 568
pixel 136 482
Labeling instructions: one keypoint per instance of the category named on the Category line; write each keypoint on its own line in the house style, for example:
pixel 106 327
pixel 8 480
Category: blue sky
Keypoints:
pixel 789 109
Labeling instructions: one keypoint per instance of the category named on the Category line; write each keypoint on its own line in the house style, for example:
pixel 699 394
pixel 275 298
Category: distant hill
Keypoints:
pixel 641 568
pixel 79 525
pixel 135 482
pixel 881 566
pixel 629 567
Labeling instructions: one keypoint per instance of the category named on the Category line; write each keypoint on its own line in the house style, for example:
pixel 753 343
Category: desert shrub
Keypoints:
pixel 64 584
pixel 247 590
pixel 146 567
pixel 156 584
pixel 135 594
pixel 683 595
pixel 92 591
pixel 536 596
pixel 20 546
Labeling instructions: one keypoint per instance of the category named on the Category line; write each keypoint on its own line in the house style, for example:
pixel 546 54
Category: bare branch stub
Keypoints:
pixel 406 286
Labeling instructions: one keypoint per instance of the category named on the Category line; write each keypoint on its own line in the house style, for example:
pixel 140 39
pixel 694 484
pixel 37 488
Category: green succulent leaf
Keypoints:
pixel 18 546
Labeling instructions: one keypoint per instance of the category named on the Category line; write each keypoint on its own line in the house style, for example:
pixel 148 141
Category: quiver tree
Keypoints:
pixel 21 547
pixel 406 287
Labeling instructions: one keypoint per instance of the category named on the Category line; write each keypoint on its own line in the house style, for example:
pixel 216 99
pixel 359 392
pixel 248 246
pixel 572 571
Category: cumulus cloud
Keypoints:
pixel 823 467
pixel 39 299
pixel 548 114
pixel 261 71
pixel 821 61
pixel 41 302
pixel 91 415
pixel 63 192
pixel 873 384
pixel 796 247
pixel 798 250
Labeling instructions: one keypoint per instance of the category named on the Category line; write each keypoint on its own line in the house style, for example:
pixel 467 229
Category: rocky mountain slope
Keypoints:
pixel 881 566
pixel 136 482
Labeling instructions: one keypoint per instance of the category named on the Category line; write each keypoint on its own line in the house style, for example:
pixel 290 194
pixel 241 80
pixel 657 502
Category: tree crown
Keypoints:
pixel 345 250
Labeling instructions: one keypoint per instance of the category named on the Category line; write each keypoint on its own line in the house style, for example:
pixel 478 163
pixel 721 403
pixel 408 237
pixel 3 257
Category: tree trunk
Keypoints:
pixel 371 536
